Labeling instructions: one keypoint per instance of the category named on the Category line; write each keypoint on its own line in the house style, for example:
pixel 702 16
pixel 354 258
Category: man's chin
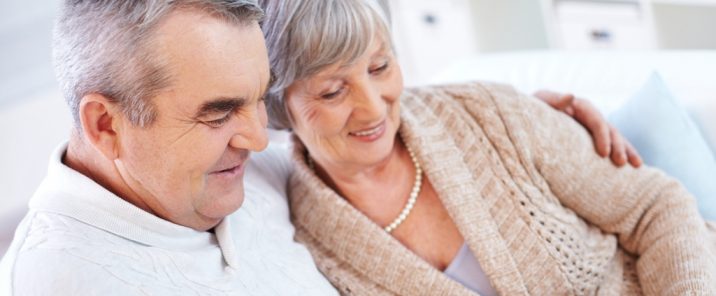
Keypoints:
pixel 224 203
pixel 211 219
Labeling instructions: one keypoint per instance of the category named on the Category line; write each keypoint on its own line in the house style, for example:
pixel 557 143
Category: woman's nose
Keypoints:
pixel 368 99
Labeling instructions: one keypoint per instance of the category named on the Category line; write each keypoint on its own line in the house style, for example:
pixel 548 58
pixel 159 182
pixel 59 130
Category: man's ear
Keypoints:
pixel 100 119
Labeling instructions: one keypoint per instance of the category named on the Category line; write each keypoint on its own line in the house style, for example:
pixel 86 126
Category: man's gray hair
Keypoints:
pixel 105 47
pixel 305 36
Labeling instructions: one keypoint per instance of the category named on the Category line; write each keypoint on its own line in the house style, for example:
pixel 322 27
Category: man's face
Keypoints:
pixel 188 166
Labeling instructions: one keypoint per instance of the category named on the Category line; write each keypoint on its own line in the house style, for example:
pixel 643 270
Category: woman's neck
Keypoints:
pixel 375 190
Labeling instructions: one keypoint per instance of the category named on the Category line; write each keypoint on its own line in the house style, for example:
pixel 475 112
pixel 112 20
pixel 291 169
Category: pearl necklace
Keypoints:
pixel 414 192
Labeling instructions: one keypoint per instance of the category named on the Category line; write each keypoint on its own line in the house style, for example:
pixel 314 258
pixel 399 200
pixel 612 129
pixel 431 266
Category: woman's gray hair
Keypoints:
pixel 305 36
pixel 105 47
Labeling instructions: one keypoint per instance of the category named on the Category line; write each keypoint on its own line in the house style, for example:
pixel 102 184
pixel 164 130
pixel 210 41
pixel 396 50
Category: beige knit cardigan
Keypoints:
pixel 542 213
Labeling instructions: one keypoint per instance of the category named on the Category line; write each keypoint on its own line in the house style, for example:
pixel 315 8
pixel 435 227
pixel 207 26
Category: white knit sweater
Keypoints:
pixel 80 239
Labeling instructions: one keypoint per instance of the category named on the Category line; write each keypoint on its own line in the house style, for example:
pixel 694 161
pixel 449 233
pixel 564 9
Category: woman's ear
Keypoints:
pixel 100 119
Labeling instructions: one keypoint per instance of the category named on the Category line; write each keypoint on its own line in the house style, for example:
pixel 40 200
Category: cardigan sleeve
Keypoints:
pixel 651 214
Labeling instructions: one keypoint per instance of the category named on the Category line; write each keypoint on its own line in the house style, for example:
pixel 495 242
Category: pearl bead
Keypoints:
pixel 414 193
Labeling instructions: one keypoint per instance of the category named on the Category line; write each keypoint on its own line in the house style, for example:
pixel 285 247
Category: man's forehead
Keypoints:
pixel 214 64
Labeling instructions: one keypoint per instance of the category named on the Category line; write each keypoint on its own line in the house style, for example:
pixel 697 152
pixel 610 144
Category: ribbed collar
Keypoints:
pixel 67 192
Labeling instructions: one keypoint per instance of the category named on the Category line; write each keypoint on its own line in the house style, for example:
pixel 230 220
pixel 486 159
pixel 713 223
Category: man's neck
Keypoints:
pixel 89 162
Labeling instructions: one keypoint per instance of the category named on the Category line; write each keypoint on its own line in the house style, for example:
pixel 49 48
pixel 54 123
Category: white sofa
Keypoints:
pixel 606 78
pixel 32 127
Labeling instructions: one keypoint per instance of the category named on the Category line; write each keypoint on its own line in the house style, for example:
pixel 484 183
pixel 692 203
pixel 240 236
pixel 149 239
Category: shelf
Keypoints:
pixel 686 2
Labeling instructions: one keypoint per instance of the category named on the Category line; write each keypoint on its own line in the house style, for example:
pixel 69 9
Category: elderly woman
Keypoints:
pixel 460 189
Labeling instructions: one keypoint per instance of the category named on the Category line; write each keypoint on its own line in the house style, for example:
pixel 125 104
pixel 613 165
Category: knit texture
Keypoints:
pixel 541 211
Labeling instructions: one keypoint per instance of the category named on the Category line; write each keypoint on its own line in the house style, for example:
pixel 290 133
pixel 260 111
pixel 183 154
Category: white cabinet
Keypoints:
pixel 597 24
pixel 429 34
pixel 603 25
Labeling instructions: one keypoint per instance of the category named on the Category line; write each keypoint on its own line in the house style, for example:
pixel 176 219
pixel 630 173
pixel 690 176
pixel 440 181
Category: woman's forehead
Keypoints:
pixel 377 49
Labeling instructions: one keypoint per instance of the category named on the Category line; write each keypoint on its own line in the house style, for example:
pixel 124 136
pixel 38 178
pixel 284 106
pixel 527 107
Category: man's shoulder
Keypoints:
pixel 47 271
pixel 44 229
pixel 58 255
pixel 46 236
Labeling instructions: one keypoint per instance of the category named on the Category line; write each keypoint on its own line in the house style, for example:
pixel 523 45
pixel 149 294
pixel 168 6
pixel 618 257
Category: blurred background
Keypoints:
pixel 431 34
pixel 602 49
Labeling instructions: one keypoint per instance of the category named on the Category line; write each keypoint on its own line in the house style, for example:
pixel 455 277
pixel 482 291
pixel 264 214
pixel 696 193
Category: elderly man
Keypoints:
pixel 166 99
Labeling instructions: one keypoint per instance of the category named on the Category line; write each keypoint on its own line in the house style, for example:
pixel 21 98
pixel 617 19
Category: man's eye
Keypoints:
pixel 332 95
pixel 218 122
pixel 379 70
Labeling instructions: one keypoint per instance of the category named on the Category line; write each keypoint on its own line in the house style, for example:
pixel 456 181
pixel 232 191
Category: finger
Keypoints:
pixel 568 96
pixel 566 101
pixel 569 110
pixel 619 154
pixel 633 155
pixel 589 117
pixel 557 100
pixel 563 101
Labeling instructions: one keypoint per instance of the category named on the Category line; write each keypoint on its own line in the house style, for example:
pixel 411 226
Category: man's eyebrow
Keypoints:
pixel 221 105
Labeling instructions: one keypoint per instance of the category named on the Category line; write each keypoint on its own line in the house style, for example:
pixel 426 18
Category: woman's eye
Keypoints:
pixel 218 122
pixel 379 70
pixel 332 95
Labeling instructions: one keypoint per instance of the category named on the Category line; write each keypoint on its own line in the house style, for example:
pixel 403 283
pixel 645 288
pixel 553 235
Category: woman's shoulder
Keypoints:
pixel 485 94
pixel 479 98
pixel 470 90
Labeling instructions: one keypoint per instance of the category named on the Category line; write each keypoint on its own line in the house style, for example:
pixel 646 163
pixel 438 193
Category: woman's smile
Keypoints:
pixel 369 134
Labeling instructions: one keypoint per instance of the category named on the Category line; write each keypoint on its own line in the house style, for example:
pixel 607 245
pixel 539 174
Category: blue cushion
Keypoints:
pixel 667 138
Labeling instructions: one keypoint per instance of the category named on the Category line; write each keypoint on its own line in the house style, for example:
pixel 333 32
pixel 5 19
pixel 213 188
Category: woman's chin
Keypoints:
pixel 376 153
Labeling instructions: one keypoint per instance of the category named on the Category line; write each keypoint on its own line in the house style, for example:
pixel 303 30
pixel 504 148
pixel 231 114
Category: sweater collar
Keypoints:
pixel 461 189
pixel 67 192
pixel 335 224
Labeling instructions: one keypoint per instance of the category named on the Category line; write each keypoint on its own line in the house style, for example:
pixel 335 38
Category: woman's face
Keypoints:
pixel 348 115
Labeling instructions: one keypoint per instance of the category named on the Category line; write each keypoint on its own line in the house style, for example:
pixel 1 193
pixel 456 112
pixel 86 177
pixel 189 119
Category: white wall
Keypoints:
pixel 685 27
pixel 33 117
pixel 30 130
pixel 509 25
pixel 25 48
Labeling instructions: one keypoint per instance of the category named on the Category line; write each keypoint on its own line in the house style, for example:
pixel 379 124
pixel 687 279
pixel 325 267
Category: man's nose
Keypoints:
pixel 251 134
